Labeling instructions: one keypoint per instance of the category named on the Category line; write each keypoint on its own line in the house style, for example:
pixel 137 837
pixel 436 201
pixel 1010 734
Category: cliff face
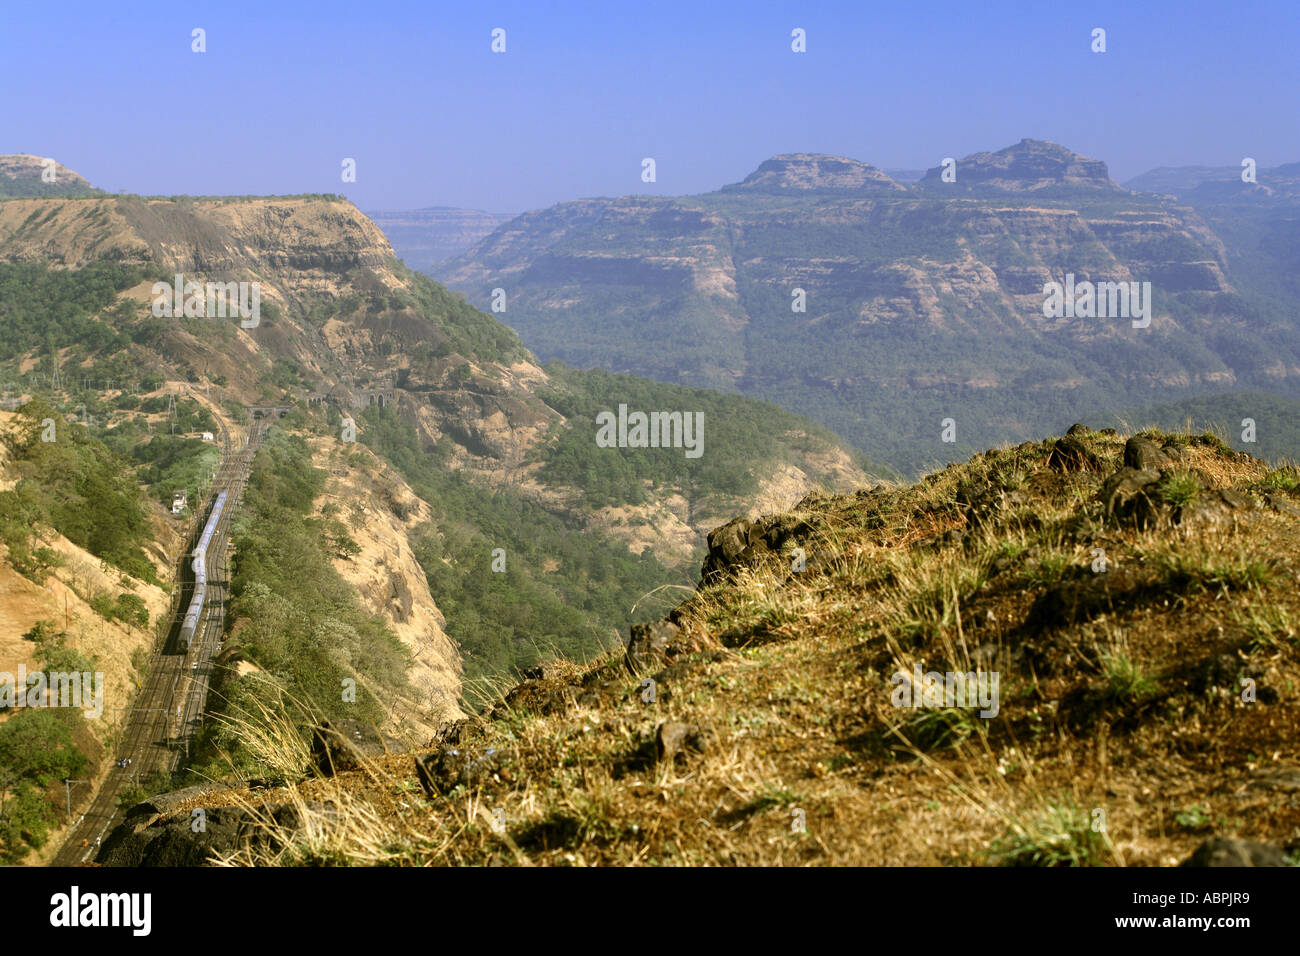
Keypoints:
pixel 880 309
pixel 380 511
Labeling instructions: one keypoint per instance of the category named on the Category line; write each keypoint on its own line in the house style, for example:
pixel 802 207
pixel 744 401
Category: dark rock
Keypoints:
pixel 441 772
pixel 546 670
pixel 1231 851
pixel 1281 504
pixel 456 732
pixel 1211 507
pixel 172 841
pixel 347 744
pixel 673 738
pixel 1069 454
pixel 729 546
pixel 981 503
pixel 1129 495
pixel 546 696
pixel 1077 429
pixel 744 543
pixel 649 644
pixel 1143 454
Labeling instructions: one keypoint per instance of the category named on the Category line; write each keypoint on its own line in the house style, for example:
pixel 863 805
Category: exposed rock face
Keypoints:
pixel 174 830
pixel 1071 454
pixel 745 543
pixel 381 512
pixel 347 745
pixel 442 771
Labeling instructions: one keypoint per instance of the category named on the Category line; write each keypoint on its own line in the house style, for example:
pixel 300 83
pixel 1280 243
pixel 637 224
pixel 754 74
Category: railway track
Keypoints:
pixel 169 708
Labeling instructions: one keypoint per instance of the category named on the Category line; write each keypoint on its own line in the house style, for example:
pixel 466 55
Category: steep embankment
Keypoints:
pixel 1127 613
pixel 379 512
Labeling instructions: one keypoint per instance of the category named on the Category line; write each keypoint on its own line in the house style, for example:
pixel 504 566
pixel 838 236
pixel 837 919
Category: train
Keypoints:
pixel 190 624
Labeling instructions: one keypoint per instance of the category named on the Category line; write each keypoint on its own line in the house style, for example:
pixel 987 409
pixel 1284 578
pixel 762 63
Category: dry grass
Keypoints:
pixel 1120 732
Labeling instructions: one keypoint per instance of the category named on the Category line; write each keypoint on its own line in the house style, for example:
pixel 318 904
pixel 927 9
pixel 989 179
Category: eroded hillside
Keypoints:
pixel 471 425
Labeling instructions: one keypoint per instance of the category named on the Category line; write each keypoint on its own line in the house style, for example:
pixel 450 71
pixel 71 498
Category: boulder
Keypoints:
pixel 1070 454
pixel 1143 454
pixel 1129 494
pixel 1231 851
pixel 650 644
pixel 173 841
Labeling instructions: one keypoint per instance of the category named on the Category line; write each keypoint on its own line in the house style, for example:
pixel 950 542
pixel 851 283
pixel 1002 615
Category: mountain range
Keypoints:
pixel 883 308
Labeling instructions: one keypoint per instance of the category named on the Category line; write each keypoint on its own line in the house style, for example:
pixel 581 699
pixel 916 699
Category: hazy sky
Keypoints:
pixel 584 91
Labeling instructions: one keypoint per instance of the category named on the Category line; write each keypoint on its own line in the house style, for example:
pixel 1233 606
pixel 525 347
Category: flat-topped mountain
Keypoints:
pixel 1030 166
pixel 815 173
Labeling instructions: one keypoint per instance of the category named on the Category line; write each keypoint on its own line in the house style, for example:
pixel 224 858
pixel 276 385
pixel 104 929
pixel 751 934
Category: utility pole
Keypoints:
pixel 67 784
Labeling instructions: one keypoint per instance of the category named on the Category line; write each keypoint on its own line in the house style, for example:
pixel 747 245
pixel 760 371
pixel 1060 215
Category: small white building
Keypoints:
pixel 208 436
pixel 179 501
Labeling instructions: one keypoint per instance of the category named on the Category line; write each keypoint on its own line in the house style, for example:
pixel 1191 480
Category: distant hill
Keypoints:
pixel 922 302
pixel 23 175
pixel 1031 167
pixel 1211 184
pixel 423 237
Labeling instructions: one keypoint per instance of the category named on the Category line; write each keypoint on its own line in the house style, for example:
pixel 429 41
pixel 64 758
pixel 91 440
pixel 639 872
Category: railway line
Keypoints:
pixel 169 708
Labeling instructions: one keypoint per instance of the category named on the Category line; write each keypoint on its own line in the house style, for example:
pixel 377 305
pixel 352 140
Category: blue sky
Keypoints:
pixel 584 91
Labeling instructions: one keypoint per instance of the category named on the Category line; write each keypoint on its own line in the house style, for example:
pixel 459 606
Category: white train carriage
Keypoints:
pixel 194 613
